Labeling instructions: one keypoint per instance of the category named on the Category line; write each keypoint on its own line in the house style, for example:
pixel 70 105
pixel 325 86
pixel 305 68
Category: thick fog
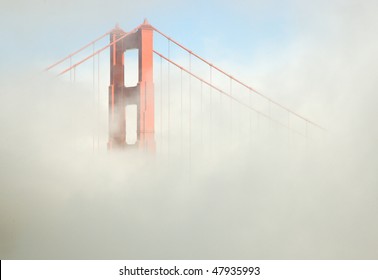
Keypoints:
pixel 255 193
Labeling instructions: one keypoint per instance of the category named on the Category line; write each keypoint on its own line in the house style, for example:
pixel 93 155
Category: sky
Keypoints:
pixel 46 24
pixel 248 194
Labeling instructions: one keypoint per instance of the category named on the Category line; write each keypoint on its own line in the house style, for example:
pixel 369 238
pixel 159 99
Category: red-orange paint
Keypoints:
pixel 142 95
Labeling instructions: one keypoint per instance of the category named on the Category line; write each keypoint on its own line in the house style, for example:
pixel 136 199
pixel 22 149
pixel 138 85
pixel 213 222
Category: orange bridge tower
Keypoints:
pixel 142 95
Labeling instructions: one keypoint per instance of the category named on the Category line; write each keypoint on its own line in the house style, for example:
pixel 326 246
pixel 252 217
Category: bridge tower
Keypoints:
pixel 141 95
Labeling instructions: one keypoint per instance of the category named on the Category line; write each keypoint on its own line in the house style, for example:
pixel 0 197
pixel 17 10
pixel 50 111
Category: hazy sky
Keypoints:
pixel 55 27
pixel 259 199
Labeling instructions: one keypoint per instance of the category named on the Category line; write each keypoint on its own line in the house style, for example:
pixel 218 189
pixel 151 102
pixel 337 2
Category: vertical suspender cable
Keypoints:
pixel 270 115
pixel 75 124
pixel 181 114
pixel 70 68
pixel 169 97
pixel 190 114
pixel 306 134
pixel 250 115
pixel 288 127
pixel 98 101
pixel 94 99
pixel 210 109
pixel 161 100
pixel 257 121
pixel 231 131
pixel 201 116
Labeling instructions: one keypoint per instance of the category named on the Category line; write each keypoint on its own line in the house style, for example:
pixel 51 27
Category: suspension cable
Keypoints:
pixel 78 51
pixel 218 89
pixel 238 81
pixel 100 50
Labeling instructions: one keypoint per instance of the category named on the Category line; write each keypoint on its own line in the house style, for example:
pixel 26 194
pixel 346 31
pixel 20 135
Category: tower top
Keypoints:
pixel 146 24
